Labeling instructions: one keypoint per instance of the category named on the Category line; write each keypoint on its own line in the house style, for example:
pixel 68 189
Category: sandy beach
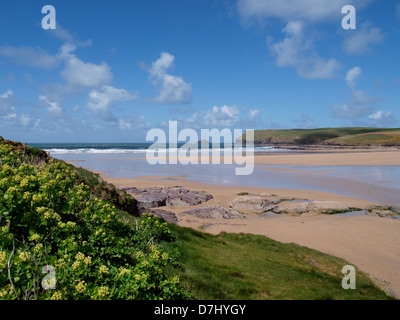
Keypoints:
pixel 370 243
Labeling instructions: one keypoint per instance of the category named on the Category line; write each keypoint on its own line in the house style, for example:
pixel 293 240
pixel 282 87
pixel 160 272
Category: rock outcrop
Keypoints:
pixel 214 212
pixel 323 207
pixel 256 204
pixel 160 196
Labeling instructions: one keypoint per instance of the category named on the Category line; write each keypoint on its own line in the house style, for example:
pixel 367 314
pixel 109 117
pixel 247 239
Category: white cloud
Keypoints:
pixel 253 114
pixel 52 107
pixel 132 123
pixel 29 56
pixel 352 75
pixel 382 117
pixel 79 74
pixel 100 100
pixel 25 120
pixel 360 105
pixel 61 34
pixel 7 111
pixel 224 116
pixel 296 50
pixel 124 125
pixel 359 41
pixel 172 89
pixel 11 115
pixel 9 93
pixel 309 10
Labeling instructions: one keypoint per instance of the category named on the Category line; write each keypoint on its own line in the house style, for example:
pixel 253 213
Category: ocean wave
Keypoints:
pixel 59 151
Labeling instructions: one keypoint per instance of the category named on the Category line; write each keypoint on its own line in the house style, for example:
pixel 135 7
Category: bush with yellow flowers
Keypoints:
pixel 48 222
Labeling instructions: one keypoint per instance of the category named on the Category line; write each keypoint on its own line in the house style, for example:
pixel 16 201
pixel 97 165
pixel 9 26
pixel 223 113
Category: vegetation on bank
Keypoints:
pixel 54 214
pixel 49 223
pixel 330 136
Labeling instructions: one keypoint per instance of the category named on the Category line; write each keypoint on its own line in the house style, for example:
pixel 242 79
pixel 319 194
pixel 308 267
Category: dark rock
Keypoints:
pixel 160 196
pixel 167 216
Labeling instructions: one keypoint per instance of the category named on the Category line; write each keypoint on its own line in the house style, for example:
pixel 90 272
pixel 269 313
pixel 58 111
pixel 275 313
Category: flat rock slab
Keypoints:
pixel 326 206
pixel 323 207
pixel 257 204
pixel 214 212
pixel 160 196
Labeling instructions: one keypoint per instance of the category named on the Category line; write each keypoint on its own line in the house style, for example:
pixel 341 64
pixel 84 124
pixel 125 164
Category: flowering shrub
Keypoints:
pixel 48 221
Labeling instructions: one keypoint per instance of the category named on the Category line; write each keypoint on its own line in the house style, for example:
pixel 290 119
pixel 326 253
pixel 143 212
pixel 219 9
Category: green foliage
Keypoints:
pixel 46 219
pixel 104 190
pixel 340 136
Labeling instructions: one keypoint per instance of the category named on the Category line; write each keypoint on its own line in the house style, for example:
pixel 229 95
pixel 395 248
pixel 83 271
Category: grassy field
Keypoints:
pixel 331 136
pixel 251 267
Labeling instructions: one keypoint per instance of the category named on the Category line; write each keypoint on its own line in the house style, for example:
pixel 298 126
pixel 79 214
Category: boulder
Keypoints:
pixel 167 216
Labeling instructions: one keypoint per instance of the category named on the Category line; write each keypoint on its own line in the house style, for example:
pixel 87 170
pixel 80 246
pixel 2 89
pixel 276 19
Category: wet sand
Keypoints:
pixel 370 243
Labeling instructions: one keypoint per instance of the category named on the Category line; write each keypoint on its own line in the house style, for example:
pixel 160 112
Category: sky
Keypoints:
pixel 113 70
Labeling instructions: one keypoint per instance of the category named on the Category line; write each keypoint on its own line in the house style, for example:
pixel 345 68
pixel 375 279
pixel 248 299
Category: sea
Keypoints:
pixel 127 148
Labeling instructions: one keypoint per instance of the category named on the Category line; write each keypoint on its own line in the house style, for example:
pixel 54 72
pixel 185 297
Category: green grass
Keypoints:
pixel 251 267
pixel 387 139
pixel 333 135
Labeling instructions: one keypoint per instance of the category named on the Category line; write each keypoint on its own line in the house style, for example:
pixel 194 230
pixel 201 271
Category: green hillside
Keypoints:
pixel 329 136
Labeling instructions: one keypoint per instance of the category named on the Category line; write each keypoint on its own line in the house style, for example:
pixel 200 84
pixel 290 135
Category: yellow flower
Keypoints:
pixel 24 183
pixel 61 263
pixel 37 198
pixel 38 247
pixel 3 259
pixel 24 256
pixel 138 277
pixel 35 237
pixel 71 224
pixel 79 256
pixel 123 271
pixel 76 265
pixel 103 292
pixel 81 287
pixel 61 224
pixel 103 269
pixel 165 256
pixel 87 260
pixel 146 263
pixel 56 296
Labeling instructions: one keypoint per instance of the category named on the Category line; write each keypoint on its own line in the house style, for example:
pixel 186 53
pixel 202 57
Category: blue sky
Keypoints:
pixel 112 70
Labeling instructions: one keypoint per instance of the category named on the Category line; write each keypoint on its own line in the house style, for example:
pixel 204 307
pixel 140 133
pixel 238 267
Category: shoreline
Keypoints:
pixel 370 243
